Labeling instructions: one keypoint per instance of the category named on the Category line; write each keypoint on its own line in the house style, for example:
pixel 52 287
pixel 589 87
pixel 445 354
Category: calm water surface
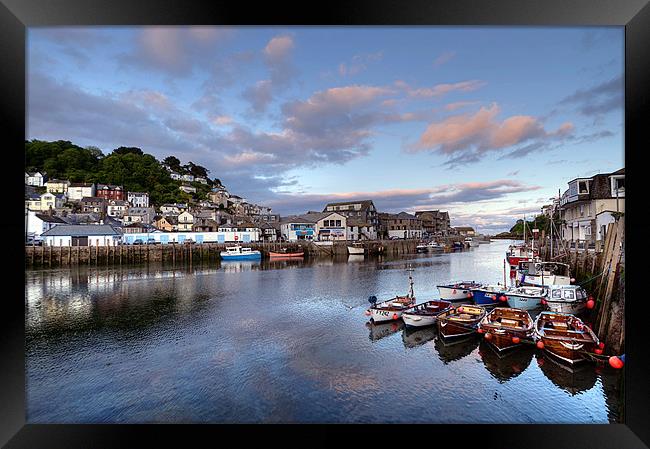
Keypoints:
pixel 283 342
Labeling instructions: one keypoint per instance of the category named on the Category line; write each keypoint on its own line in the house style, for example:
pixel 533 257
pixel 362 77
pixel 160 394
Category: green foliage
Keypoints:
pixel 129 167
pixel 541 222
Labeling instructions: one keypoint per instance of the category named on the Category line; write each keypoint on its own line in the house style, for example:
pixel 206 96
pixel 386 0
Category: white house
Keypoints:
pixel 35 179
pixel 139 215
pixel 51 201
pixel 188 189
pixel 175 176
pixel 314 226
pixel 80 190
pixel 117 208
pixel 189 178
pixel 138 199
pixel 360 230
pixel 185 221
pixel 227 235
pixel 57 186
pixel 38 223
pixel 82 235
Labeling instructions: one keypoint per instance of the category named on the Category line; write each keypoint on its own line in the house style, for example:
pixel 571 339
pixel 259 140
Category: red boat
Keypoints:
pixel 285 255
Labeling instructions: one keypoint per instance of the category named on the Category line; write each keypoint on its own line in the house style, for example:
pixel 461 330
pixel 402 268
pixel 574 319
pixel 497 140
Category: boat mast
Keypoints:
pixel 411 294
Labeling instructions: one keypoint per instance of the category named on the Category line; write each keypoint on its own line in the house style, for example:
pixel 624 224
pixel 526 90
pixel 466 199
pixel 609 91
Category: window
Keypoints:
pixel 569 294
pixel 557 293
pixel 338 223
pixel 583 187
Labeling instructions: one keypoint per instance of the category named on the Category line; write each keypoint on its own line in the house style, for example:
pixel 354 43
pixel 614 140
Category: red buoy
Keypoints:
pixel 590 304
pixel 395 316
pixel 368 312
pixel 543 301
pixel 480 330
pixel 488 336
pixel 469 295
pixel 460 310
pixel 615 362
pixel 503 298
pixel 601 345
pixel 540 344
pixel 516 340
pixel 598 351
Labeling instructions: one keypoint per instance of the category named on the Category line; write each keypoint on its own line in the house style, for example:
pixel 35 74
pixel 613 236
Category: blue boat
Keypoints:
pixel 489 295
pixel 238 253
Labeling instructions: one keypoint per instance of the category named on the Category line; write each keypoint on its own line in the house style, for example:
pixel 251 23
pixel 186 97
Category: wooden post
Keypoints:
pixel 42 255
pixel 120 255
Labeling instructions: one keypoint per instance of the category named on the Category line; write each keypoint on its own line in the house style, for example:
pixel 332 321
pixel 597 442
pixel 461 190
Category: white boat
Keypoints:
pixel 323 243
pixel 541 274
pixel 425 314
pixel 457 291
pixel 238 252
pixel 422 248
pixel 435 246
pixel 471 242
pixel 393 308
pixel 525 298
pixel 566 299
pixel 356 248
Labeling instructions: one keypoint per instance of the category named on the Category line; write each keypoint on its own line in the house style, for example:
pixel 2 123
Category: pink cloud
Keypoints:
pixel 444 58
pixel 279 47
pixel 442 89
pixel 459 104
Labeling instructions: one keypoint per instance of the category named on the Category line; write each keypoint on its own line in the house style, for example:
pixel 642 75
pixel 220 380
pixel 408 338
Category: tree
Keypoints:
pixel 128 150
pixel 173 163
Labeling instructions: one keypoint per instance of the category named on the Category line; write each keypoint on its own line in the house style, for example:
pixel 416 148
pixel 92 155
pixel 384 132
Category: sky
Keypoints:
pixel 487 123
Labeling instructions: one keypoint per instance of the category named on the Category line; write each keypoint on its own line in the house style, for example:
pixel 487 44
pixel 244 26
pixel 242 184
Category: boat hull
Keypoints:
pixel 486 297
pixel 452 329
pixel 252 256
pixel 354 250
pixel 502 341
pixel 524 302
pixel 572 307
pixel 453 293
pixel 412 320
pixel 380 315
pixel 567 351
pixel 273 255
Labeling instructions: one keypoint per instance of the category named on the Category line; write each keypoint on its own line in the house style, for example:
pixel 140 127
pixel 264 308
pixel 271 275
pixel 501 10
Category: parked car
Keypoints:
pixel 393 237
pixel 188 241
pixel 151 241
pixel 138 242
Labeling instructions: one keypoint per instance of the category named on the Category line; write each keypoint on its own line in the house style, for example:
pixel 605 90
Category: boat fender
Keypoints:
pixel 590 304
pixel 516 340
pixel 454 291
pixel 540 344
pixel 617 362
pixel 598 351
pixel 480 330
pixel 395 316
pixel 368 312
pixel 601 345
pixel 503 298
pixel 469 294
pixel 488 336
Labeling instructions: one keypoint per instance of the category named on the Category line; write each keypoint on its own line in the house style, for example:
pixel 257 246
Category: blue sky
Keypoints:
pixel 485 122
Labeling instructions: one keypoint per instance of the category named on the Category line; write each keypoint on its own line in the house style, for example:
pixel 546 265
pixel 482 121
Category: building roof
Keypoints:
pixel 108 187
pixel 118 203
pixel 311 217
pixel 406 216
pixel 81 184
pixel 81 230
pixel 364 204
pixel 50 218
pixel 463 228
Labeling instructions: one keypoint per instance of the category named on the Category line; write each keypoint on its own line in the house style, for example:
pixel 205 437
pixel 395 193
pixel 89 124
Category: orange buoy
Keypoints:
pixel 503 298
pixel 488 336
pixel 598 351
pixel 480 330
pixel 540 344
pixel 516 340
pixel 601 345
pixel 590 304
pixel 395 316
pixel 615 362
pixel 460 310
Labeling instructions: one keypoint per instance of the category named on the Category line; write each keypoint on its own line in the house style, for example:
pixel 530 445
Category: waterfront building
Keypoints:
pixel 80 190
pixel 360 230
pixel 116 208
pixel 270 232
pixel 36 179
pixel 173 208
pixel 167 223
pixel 314 226
pixel 589 204
pixel 57 186
pixel 465 231
pixel 363 211
pixel 82 235
pixel 139 215
pixel 138 199
pixel 110 192
pixel 82 218
pixel 94 204
pixel 219 197
pixel 45 202
pixel 205 224
pixel 185 221
pixel 225 234
pixel 38 223
pixel 434 222
pixel 402 225
pixel 33 202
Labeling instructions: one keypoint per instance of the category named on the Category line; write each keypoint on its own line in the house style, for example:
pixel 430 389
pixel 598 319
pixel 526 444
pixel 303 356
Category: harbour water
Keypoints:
pixel 285 342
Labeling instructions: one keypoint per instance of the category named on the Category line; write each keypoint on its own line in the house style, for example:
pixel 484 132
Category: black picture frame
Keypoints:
pixel 17 15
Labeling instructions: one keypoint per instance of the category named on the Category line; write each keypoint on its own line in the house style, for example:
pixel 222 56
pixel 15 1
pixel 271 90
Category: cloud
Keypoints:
pixel 359 63
pixel 459 104
pixel 259 96
pixel 174 50
pixel 598 100
pixel 444 58
pixel 466 137
pixel 440 89
pixel 77 43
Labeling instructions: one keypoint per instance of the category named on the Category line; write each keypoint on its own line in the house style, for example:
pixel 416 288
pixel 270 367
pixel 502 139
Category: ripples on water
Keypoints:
pixel 283 341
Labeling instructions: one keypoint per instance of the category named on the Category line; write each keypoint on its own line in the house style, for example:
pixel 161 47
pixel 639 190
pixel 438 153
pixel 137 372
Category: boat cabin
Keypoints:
pixel 567 292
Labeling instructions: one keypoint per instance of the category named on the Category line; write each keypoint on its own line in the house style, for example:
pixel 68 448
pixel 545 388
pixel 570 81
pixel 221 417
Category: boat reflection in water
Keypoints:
pixel 356 258
pixel 450 350
pixel 237 266
pixel 381 330
pixel 413 337
pixel 504 366
pixel 573 379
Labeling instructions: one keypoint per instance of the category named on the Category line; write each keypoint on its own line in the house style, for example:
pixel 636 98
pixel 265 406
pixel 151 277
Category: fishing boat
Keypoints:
pixel 471 242
pixel 425 314
pixel 435 246
pixel 542 274
pixel 284 253
pixel 566 299
pixel 422 248
pixel 238 252
pixel 393 308
pixel 457 245
pixel 519 253
pixel 565 336
pixel 460 320
pixel 356 248
pixel 505 328
pixel 526 298
pixel 488 295
pixel 457 291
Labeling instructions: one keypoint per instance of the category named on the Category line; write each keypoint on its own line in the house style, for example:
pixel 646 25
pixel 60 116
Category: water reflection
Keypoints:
pixel 572 379
pixel 505 365
pixel 418 336
pixel 356 258
pixel 453 349
pixel 381 330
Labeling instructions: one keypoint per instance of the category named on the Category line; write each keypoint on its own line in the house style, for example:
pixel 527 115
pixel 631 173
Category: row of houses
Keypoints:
pixel 588 205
